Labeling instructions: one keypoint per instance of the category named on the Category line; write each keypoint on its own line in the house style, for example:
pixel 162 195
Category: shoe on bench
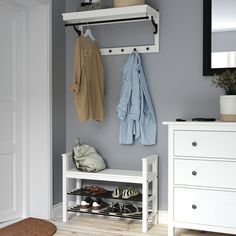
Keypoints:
pixel 117 193
pixel 130 209
pixel 86 204
pixel 130 192
pixel 99 205
pixel 115 209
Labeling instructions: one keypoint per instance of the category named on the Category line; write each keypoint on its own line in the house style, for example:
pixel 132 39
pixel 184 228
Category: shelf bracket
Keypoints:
pixel 77 31
pixel 155 25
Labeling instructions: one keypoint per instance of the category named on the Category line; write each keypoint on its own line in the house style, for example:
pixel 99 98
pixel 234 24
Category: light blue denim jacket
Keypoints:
pixel 135 110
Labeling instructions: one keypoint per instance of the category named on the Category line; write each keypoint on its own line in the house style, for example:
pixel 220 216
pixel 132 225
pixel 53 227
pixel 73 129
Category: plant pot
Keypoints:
pixel 126 3
pixel 228 108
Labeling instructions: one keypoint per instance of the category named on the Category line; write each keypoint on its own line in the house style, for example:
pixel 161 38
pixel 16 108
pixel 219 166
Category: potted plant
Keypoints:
pixel 227 81
pixel 125 3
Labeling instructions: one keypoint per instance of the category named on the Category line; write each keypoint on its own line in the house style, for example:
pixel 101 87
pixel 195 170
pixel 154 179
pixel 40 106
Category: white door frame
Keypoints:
pixel 40 117
pixel 37 135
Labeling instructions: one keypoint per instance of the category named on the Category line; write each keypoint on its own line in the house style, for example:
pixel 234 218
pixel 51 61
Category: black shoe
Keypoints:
pixel 130 209
pixel 86 204
pixel 115 209
pixel 99 205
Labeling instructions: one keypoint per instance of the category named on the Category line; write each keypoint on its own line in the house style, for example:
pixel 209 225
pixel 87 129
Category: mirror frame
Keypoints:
pixel 207 15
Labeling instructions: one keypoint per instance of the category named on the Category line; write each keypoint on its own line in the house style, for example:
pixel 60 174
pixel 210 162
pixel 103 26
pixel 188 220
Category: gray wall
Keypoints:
pixel 59 94
pixel 175 79
pixel 224 41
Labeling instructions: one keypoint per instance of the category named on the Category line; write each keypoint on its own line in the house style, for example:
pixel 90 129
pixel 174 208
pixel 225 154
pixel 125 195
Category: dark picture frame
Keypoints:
pixel 207 32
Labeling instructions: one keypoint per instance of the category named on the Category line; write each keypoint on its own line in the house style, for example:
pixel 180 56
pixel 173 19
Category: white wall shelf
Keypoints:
pixel 118 15
pixel 143 177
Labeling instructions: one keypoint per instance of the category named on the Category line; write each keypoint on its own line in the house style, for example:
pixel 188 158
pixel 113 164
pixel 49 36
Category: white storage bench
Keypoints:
pixel 145 177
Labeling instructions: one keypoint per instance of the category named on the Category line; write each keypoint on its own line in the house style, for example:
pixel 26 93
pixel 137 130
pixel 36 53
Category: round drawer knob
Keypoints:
pixel 194 144
pixel 194 173
pixel 194 207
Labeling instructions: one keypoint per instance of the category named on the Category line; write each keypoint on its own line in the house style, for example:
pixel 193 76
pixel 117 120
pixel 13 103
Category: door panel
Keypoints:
pixel 11 112
pixel 6 121
pixel 7 182
pixel 7 56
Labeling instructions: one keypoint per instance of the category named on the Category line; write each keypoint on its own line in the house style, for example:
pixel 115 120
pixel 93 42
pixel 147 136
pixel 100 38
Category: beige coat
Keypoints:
pixel 88 81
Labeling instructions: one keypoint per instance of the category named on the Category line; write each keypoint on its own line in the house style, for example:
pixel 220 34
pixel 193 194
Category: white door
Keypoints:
pixel 11 112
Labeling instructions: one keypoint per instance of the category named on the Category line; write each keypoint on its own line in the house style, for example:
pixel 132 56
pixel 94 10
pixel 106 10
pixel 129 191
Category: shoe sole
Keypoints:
pixel 128 197
pixel 85 210
pixel 100 210
pixel 115 214
pixel 116 196
pixel 131 214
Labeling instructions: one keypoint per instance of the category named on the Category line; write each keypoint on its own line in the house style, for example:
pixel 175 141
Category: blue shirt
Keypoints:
pixel 135 110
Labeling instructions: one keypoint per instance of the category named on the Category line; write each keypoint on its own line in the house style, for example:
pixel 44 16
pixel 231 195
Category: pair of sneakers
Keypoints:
pixel 125 192
pixel 127 209
pixel 96 206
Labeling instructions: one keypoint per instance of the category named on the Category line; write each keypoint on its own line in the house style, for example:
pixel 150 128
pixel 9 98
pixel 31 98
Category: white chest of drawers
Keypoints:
pixel 202 176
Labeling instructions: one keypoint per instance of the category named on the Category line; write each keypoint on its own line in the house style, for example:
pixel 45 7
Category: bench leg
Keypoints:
pixel 65 201
pixel 145 207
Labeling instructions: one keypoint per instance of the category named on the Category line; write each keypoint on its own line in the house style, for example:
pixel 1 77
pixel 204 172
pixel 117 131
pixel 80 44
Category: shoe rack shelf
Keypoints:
pixel 148 177
pixel 76 209
pixel 107 194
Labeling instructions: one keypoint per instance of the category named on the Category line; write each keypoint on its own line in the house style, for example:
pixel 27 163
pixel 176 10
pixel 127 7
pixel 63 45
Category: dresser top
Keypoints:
pixel 199 123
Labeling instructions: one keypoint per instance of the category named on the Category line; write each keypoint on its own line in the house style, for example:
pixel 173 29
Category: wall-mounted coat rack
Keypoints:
pixel 117 15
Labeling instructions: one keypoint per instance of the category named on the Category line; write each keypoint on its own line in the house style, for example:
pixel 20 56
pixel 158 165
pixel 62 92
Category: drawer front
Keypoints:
pixel 216 144
pixel 219 174
pixel 206 207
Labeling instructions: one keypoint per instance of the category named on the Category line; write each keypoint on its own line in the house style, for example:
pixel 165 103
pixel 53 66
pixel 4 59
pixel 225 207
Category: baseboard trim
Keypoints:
pixel 163 217
pixel 57 213
pixel 10 222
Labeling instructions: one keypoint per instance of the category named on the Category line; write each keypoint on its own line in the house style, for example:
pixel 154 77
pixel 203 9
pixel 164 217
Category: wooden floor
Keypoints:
pixel 107 226
pixel 104 226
